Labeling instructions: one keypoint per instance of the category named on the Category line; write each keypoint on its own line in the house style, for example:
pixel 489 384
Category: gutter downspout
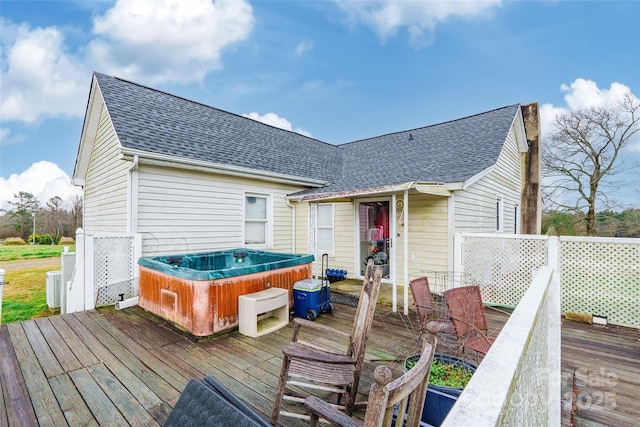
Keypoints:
pixel 293 224
pixel 132 219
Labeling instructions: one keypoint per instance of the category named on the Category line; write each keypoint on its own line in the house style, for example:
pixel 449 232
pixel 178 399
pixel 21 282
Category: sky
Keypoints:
pixel 338 70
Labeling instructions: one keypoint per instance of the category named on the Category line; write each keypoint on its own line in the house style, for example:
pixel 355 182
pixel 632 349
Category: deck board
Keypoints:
pixel 108 367
pixel 71 403
pixel 45 405
pixel 17 409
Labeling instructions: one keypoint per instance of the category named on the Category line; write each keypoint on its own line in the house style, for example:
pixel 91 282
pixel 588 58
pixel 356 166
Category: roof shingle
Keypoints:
pixel 154 121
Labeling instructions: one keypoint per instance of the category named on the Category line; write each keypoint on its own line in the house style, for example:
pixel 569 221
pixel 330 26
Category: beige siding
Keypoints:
pixel 343 256
pixel 344 238
pixel 428 236
pixel 302 228
pixel 105 192
pixel 189 211
pixel 475 207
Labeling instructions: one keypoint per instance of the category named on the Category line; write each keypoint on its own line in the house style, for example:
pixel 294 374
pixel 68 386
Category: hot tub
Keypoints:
pixel 199 292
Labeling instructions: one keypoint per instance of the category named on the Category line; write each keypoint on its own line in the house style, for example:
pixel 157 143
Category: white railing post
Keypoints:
pixel 553 254
pixel 89 274
pixel 74 293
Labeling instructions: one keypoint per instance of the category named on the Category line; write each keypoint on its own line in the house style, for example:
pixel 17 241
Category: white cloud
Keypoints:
pixel 276 121
pixel 43 179
pixel 168 40
pixel 303 47
pixel 583 93
pixel 419 17
pixel 149 41
pixel 39 77
pixel 7 137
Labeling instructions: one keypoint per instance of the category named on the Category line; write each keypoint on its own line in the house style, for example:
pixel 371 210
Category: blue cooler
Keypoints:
pixel 308 298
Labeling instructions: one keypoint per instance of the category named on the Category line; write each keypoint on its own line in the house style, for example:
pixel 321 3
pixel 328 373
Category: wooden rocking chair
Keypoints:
pixel 307 365
pixel 408 391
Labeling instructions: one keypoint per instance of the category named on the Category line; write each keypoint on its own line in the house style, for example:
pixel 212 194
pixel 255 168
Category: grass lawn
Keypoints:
pixel 12 253
pixel 25 294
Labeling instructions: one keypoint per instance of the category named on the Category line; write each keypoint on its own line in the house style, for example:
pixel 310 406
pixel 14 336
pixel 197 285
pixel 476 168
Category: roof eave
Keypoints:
pixel 166 160
pixel 89 127
pixel 434 188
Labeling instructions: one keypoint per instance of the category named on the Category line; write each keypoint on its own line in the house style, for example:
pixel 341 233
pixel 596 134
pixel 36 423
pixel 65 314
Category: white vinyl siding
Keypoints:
pixel 189 211
pixel 475 206
pixel 105 191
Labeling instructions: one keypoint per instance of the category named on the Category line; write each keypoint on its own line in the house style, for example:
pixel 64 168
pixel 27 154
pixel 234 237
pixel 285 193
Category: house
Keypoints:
pixel 188 177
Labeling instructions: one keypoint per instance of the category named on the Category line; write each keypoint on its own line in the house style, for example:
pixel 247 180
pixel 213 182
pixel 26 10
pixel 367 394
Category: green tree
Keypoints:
pixel 583 154
pixel 25 205
pixel 560 223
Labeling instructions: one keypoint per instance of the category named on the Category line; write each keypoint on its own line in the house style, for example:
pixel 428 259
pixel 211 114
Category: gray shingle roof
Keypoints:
pixel 443 153
pixel 157 122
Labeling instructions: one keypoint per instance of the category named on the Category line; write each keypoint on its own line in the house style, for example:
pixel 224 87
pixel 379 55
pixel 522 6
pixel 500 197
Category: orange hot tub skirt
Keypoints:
pixel 206 307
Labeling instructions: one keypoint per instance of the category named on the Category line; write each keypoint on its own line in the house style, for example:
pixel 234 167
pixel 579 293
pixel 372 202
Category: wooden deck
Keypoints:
pixel 107 367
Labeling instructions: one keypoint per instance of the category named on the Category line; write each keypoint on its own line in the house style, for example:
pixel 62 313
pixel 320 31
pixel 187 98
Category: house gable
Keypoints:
pixel 165 129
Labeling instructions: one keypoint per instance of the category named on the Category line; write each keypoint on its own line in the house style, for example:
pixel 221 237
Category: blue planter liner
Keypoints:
pixel 440 399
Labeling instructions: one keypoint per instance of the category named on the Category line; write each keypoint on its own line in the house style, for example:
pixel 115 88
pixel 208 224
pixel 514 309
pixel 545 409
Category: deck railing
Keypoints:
pixel 105 272
pixel 522 368
pixel 599 276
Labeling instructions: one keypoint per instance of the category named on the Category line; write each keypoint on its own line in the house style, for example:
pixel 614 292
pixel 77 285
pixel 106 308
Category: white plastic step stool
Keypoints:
pixel 263 312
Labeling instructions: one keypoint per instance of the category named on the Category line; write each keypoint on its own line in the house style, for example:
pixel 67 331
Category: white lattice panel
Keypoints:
pixel 114 269
pixel 527 403
pixel 603 278
pixel 503 266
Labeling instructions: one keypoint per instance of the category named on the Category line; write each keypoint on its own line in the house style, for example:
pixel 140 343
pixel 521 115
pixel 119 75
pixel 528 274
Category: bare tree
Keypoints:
pixel 77 211
pixel 53 218
pixel 584 152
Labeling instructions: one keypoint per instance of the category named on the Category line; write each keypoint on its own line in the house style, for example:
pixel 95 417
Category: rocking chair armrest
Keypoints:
pixel 298 322
pixel 321 409
pixel 298 351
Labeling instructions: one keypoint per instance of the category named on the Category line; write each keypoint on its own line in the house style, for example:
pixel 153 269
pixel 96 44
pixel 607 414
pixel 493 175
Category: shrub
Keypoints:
pixel 46 239
pixel 67 241
pixel 14 241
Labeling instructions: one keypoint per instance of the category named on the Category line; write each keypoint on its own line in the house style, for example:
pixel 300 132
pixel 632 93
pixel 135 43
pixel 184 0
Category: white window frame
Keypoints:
pixel 499 215
pixel 331 227
pixel 268 220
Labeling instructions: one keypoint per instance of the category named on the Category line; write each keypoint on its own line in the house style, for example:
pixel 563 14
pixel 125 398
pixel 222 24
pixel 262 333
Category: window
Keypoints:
pixel 325 228
pixel 499 215
pixel 256 219
pixel 516 219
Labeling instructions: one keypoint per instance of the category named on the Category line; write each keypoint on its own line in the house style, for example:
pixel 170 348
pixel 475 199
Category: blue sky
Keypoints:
pixel 335 70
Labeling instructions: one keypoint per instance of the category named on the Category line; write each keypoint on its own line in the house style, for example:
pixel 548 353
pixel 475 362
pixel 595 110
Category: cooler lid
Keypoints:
pixel 308 285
